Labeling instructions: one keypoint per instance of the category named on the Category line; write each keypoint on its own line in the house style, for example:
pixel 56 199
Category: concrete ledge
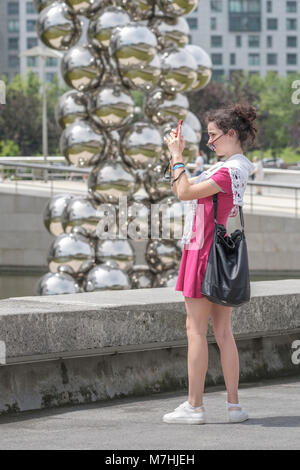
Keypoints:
pixel 93 346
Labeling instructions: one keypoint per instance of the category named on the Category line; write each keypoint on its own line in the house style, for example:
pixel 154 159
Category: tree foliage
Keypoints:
pixel 278 117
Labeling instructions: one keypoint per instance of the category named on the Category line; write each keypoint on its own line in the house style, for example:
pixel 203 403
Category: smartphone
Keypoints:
pixel 178 127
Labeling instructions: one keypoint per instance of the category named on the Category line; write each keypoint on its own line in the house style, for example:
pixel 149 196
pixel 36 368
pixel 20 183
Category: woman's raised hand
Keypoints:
pixel 175 144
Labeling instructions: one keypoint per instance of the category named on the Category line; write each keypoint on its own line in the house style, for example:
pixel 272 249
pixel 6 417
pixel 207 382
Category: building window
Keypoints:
pixel 13 26
pixel 291 24
pixel 272 23
pixel 291 41
pixel 13 61
pixel 218 75
pixel 269 6
pixel 232 59
pixel 31 61
pixel 13 43
pixel 216 5
pixel 30 25
pixel 217 59
pixel 244 6
pixel 271 59
pixel 50 76
pixel 291 7
pixel 31 42
pixel 253 59
pixel 213 23
pixel 291 59
pixel 13 8
pixel 244 15
pixel 269 41
pixel 30 8
pixel 193 23
pixel 216 41
pixel 253 41
pixel 238 41
pixel 253 72
pixel 51 62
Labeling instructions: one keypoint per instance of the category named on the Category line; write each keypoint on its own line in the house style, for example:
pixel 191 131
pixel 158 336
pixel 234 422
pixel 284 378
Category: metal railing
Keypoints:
pixel 75 170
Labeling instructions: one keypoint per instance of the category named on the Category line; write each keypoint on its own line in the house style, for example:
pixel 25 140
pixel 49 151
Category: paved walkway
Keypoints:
pixel 132 424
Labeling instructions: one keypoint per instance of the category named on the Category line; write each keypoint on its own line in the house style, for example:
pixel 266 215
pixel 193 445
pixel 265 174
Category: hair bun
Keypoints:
pixel 245 111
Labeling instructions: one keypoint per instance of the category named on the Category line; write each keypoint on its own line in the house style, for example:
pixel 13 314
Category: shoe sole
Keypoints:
pixel 182 421
pixel 238 420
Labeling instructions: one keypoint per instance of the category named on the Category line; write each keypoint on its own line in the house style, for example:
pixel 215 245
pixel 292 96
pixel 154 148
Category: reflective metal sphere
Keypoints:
pixel 39 5
pixel 192 121
pixel 57 27
pixel 101 26
pixel 161 256
pixel 71 107
pixel 85 7
pixel 161 107
pixel 82 144
pixel 179 70
pixel 141 277
pixel 120 251
pixel 53 211
pixel 57 283
pixel 83 212
pixel 81 68
pixel 110 180
pixel 156 186
pixel 170 31
pixel 138 9
pixel 166 279
pixel 142 77
pixel 111 106
pixel 177 7
pixel 72 249
pixel 141 145
pixel 106 276
pixel 133 44
pixel 204 66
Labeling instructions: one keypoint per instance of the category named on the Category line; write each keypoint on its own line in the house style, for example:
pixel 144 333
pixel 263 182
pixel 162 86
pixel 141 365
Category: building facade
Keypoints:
pixel 9 38
pixel 251 35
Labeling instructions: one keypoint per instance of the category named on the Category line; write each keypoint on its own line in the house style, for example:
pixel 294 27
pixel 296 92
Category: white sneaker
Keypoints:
pixel 183 414
pixel 236 414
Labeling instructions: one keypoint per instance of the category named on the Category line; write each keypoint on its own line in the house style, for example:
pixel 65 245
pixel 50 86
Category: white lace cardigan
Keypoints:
pixel 239 168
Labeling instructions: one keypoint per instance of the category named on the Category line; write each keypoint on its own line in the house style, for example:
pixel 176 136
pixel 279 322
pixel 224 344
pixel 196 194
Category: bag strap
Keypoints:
pixel 215 201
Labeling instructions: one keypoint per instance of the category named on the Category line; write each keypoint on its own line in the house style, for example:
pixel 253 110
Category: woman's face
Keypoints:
pixel 219 142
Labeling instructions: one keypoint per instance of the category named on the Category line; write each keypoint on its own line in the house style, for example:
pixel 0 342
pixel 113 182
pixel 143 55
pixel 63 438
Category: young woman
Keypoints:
pixel 230 131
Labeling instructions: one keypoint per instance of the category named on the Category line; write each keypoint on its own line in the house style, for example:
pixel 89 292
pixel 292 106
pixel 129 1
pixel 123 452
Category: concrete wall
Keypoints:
pixel 273 242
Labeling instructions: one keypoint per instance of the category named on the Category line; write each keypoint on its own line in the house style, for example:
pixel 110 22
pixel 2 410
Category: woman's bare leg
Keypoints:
pixel 198 311
pixel 221 322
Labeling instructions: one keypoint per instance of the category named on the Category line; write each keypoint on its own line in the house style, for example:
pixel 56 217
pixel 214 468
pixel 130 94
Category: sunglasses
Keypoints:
pixel 211 144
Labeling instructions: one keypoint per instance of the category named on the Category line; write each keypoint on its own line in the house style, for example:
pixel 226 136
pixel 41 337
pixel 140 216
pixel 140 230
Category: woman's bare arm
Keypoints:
pixel 190 180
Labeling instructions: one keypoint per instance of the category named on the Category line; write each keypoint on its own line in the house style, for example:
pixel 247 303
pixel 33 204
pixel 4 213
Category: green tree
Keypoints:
pixel 8 148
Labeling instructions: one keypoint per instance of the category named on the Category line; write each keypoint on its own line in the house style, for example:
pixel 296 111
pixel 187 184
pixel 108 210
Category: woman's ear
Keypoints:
pixel 232 133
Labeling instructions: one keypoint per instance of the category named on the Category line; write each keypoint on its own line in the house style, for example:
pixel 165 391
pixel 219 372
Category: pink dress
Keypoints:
pixel 194 261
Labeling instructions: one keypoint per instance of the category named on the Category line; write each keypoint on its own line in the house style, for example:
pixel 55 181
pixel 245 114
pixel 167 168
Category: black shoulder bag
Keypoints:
pixel 227 280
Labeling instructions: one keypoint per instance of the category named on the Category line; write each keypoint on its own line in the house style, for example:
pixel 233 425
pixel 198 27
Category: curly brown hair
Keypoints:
pixel 240 117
